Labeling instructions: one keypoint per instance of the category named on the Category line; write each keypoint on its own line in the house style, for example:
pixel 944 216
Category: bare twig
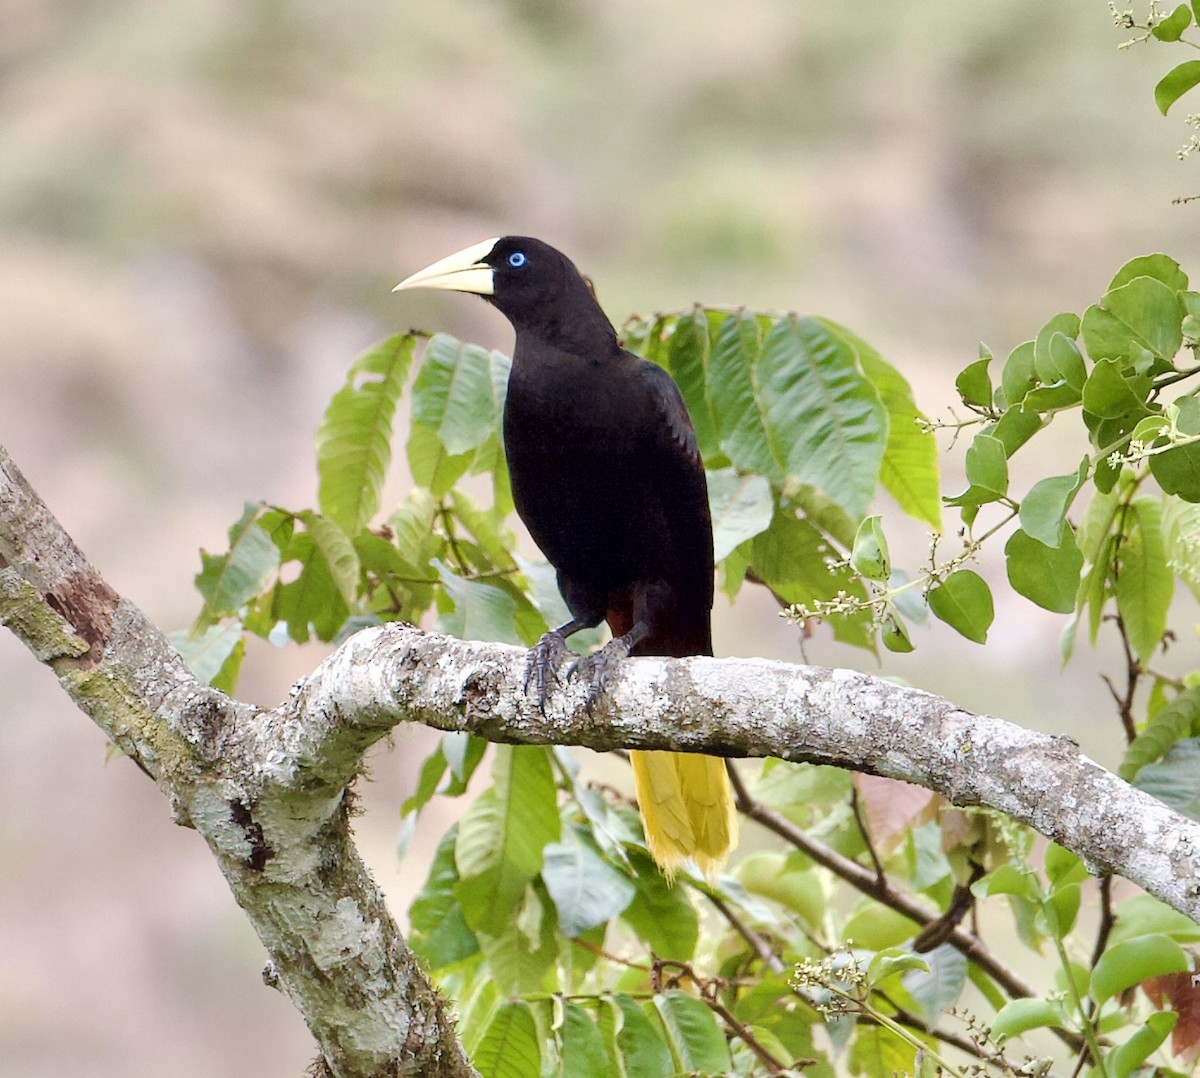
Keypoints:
pixel 759 945
pixel 856 808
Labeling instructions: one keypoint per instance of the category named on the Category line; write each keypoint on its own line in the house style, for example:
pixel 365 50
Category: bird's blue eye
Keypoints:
pixel 516 259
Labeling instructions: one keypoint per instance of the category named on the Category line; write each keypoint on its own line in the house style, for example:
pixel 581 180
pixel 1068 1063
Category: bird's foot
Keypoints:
pixel 542 663
pixel 600 667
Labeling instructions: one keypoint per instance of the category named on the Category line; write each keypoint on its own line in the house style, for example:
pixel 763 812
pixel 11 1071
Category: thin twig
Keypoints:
pixel 773 1065
pixel 956 1040
pixel 856 808
pixel 759 945
pixel 1107 920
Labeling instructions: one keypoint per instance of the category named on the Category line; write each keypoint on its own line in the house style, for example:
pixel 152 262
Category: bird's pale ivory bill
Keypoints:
pixel 463 271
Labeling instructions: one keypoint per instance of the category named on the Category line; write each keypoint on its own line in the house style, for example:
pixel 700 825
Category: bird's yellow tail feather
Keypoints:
pixel 687 809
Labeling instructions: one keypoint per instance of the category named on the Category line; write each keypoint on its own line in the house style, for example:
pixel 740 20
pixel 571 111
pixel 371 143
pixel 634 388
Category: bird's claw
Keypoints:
pixel 541 665
pixel 599 669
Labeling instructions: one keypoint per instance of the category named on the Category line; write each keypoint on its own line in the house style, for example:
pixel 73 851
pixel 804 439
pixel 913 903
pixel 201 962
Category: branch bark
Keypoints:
pixel 266 787
pixel 756 707
pixel 267 798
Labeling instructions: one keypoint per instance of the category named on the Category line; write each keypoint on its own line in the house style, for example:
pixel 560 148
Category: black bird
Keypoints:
pixel 607 477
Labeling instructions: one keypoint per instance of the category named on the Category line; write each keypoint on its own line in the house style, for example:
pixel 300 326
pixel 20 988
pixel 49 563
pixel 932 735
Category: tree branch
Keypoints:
pixel 756 707
pixel 265 791
pixel 266 787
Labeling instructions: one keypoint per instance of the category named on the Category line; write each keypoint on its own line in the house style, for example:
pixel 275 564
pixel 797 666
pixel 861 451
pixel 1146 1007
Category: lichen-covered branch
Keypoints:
pixel 753 707
pixel 269 802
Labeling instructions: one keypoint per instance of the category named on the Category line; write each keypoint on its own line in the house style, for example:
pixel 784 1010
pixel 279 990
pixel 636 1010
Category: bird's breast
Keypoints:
pixel 571 436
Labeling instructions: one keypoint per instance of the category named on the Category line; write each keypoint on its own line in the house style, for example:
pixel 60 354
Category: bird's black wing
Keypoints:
pixel 678 475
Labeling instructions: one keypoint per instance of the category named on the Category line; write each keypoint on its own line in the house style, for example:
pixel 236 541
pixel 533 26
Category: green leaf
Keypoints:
pixel 694 1033
pixel 1047 576
pixel 823 417
pixel 1067 361
pixel 1143 915
pixel 1129 963
pixel 894 634
pixel 1176 780
pixel 463 753
pixel 502 837
pixel 428 778
pixel 1160 267
pixel 486 528
pixel 1143 314
pixel 1145 583
pixel 739 414
pixel 340 556
pixel 431 466
pixel 1044 508
pixel 1061 909
pixel 792 558
pixel 413 524
pixel 1111 394
pixel 1172 27
pixel 511 1047
pixel 586 889
pixel 478 611
pixel 909 472
pixel 1048 371
pixel 1008 879
pixel 877 927
pixel 312 602
pixel 939 987
pixel 522 958
pixel 1127 1058
pixel 891 961
pixel 1019 375
pixel 460 392
pixel 1177 720
pixel 876 1050
pixel 987 466
pixel 1175 83
pixel 661 915
pixel 1181 531
pixel 974 385
pixel 1051 398
pixel 800 889
pixel 869 556
pixel 1178 470
pixel 1063 867
pixel 964 602
pixel 688 353
pixel 640 1045
pixel 1019 1016
pixel 581 1048
pixel 439 932
pixel 354 440
pixel 229 581
pixel 207 653
pixel 1015 427
pixel 741 505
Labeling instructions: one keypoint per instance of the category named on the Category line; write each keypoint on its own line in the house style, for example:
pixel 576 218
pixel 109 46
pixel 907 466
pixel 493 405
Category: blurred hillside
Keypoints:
pixel 203 208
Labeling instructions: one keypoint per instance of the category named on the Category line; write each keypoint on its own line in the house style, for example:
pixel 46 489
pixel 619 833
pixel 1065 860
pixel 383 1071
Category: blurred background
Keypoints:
pixel 203 208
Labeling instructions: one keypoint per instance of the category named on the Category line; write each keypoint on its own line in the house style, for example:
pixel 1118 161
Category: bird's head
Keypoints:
pixel 536 287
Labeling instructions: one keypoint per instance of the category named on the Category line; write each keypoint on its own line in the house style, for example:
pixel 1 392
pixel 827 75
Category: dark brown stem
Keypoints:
pixel 856 808
pixel 773 1065
pixel 759 945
